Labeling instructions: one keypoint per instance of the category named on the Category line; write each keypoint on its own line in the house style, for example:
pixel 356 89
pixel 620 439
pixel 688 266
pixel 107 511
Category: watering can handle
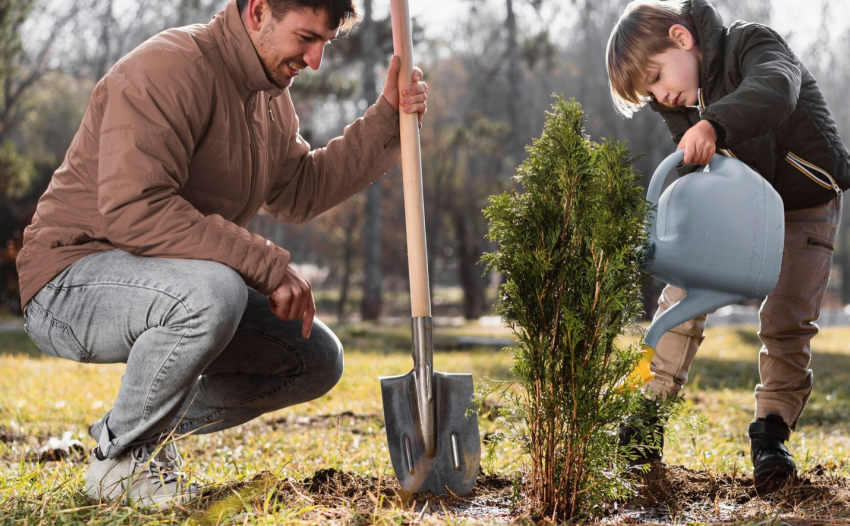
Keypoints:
pixel 656 184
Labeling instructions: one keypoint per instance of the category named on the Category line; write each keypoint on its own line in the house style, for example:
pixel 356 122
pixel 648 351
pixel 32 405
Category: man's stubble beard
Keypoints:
pixel 272 69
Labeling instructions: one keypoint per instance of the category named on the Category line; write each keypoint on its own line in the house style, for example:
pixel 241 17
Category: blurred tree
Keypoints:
pixel 825 57
pixel 13 13
pixel 20 68
pixel 15 174
pixel 370 307
pixel 492 70
pixel 465 159
pixel 351 216
pixel 515 143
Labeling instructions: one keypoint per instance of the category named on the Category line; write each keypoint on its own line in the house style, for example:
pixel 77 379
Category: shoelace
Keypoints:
pixel 165 465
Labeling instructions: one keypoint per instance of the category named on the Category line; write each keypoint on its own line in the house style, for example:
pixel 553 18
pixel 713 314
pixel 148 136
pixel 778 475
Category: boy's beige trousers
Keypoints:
pixel 787 319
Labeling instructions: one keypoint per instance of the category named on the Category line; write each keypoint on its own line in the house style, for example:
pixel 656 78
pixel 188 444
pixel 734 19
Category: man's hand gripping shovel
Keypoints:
pixel 433 445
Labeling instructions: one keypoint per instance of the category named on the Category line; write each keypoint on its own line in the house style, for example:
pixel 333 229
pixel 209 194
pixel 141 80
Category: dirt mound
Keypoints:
pixel 330 487
pixel 341 495
pixel 8 436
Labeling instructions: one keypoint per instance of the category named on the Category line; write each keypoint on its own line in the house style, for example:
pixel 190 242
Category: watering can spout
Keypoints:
pixel 696 303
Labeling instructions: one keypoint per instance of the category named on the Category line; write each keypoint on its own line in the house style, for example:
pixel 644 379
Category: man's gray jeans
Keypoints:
pixel 203 351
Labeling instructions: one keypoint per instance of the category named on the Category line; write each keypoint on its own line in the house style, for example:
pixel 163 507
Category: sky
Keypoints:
pixel 788 18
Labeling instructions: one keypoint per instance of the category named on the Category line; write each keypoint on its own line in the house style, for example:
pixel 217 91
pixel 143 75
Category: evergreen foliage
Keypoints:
pixel 569 248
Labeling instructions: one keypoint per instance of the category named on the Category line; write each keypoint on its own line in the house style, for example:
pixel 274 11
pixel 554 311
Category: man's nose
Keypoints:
pixel 313 57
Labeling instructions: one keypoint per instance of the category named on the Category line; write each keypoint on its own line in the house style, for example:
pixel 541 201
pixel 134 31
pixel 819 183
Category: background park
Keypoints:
pixel 492 67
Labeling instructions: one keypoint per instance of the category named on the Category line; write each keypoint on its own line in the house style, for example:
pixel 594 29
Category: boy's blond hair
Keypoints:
pixel 641 33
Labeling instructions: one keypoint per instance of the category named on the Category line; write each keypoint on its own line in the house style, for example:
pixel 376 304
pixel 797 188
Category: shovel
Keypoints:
pixel 433 445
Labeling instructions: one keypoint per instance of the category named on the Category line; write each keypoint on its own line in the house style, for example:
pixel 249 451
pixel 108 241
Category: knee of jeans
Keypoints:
pixel 219 296
pixel 326 362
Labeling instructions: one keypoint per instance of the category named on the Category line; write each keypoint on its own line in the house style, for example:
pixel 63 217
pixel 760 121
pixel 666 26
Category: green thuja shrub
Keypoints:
pixel 569 249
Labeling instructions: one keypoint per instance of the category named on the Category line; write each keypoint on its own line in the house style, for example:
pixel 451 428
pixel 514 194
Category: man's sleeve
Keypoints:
pixel 151 120
pixel 313 181
pixel 768 92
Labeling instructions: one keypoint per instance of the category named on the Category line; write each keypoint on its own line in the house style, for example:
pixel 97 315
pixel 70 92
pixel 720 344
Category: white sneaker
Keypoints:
pixel 141 477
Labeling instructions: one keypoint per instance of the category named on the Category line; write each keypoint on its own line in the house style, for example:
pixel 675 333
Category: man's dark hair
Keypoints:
pixel 342 14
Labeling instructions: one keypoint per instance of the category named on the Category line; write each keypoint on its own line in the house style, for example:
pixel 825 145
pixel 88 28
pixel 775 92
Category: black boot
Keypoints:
pixel 649 444
pixel 772 462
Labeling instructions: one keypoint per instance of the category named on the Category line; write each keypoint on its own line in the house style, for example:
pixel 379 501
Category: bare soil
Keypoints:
pixel 673 494
pixel 332 489
pixel 667 495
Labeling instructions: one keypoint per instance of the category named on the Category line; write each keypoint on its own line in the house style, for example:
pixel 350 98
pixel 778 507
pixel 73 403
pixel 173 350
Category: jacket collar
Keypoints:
pixel 711 33
pixel 238 52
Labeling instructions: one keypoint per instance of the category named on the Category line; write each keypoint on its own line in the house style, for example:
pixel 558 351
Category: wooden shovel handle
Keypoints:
pixel 411 168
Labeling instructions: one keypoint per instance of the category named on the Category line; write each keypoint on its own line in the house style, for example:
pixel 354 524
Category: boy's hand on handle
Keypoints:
pixel 415 96
pixel 699 143
pixel 293 299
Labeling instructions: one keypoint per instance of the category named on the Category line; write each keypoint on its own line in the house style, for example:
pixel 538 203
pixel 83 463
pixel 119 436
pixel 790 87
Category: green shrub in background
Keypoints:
pixel 569 249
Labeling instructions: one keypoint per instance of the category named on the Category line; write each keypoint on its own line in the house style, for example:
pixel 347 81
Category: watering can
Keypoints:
pixel 717 234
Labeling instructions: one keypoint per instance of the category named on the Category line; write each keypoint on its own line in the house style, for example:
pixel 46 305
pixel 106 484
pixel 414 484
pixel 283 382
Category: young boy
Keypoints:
pixel 741 91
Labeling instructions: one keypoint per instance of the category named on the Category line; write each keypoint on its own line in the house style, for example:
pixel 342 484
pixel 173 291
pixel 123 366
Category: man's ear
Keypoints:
pixel 255 13
pixel 678 33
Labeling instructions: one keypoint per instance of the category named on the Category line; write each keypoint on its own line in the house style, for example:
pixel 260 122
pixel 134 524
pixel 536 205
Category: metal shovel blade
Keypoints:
pixel 458 448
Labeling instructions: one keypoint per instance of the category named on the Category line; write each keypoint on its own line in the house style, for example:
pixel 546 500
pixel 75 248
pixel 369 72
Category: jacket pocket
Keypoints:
pixel 816 174
pixel 818 242
pixel 52 336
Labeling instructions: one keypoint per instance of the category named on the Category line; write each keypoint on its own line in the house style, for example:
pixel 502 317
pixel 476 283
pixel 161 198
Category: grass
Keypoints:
pixel 44 397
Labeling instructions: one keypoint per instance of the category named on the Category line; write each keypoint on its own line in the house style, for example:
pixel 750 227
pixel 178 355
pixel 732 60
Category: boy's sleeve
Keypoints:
pixel 768 91
pixel 678 120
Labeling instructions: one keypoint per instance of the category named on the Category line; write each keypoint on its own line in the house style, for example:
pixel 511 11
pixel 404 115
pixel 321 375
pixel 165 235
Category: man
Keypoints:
pixel 138 252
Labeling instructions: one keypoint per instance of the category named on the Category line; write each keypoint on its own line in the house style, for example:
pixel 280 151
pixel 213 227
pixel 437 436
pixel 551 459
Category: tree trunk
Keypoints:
pixel 347 263
pixel 370 308
pixel 469 252
pixel 104 60
pixel 516 143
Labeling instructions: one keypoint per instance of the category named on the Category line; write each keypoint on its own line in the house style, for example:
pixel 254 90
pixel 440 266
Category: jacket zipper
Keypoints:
pixel 269 104
pixel 249 108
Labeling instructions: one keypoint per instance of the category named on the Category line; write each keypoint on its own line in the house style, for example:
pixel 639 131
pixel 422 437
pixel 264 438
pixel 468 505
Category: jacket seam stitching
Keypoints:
pixel 173 51
pixel 163 135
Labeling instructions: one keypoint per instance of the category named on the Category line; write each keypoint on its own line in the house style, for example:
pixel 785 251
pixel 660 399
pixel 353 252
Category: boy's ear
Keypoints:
pixel 681 36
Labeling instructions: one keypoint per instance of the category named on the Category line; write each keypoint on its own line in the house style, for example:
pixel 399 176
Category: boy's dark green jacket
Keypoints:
pixel 771 111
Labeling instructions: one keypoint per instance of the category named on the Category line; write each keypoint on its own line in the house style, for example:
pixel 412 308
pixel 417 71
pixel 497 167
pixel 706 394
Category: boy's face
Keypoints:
pixel 673 76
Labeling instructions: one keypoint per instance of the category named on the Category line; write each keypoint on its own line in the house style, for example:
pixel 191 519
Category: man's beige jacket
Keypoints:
pixel 183 141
